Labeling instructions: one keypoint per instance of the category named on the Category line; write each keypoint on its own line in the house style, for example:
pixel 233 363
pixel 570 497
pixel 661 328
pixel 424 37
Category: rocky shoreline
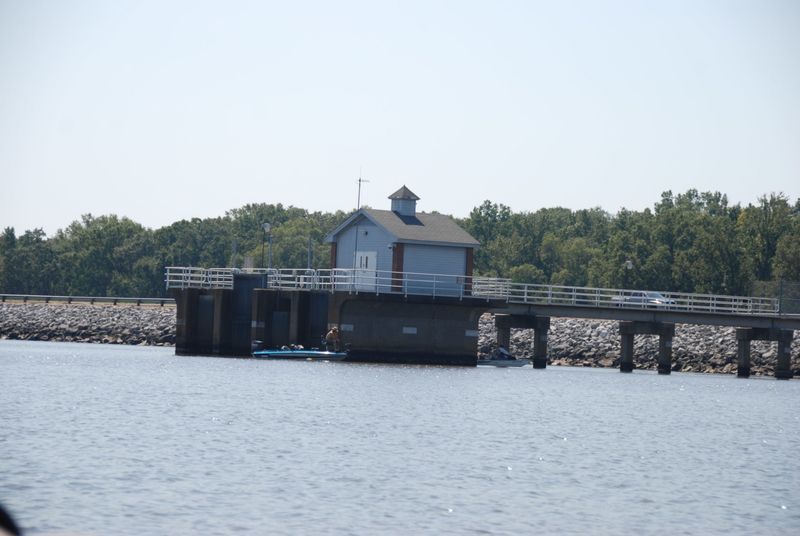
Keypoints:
pixel 571 342
pixel 109 324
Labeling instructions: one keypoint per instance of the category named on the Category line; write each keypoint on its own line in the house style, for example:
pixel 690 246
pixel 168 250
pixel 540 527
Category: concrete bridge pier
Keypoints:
pixel 665 332
pixel 540 342
pixel 743 338
pixel 540 326
pixel 503 329
pixel 783 368
pixel 626 349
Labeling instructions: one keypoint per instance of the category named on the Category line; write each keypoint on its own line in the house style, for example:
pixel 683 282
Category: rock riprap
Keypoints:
pixel 571 341
pixel 111 324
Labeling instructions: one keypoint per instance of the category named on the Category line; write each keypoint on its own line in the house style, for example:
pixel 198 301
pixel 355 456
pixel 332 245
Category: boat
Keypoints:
pixel 503 362
pixel 300 354
pixel 502 358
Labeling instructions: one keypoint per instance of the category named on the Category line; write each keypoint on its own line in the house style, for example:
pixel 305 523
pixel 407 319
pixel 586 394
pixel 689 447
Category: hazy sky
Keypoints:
pixel 161 111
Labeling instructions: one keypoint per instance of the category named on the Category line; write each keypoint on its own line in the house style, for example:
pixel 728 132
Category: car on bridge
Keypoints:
pixel 645 298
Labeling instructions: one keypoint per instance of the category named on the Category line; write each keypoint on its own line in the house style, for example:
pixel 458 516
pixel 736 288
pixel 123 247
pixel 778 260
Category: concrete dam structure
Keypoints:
pixel 227 311
pixel 375 327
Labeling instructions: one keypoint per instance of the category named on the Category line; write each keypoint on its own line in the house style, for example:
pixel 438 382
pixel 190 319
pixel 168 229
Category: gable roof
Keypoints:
pixel 422 228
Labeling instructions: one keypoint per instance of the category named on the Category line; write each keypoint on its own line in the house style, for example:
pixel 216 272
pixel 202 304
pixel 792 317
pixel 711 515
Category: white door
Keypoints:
pixel 365 273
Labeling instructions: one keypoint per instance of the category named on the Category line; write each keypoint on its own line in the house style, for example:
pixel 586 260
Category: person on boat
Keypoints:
pixel 332 341
pixel 502 353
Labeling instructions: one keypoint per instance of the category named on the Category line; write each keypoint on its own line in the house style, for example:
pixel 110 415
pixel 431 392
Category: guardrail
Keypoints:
pixel 637 299
pixel 379 282
pixel 410 283
pixel 191 277
pixel 26 298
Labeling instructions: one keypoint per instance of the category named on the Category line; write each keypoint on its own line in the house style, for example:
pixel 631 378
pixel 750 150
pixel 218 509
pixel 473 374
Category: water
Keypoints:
pixel 127 440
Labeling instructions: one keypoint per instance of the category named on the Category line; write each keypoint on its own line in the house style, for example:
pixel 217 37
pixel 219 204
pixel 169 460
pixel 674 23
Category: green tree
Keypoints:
pixel 761 228
pixel 574 257
pixel 32 266
pixel 98 255
pixel 787 252
pixel 485 223
pixel 8 245
pixel 527 273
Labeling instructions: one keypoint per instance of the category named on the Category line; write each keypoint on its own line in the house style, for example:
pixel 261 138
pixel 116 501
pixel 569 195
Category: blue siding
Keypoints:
pixel 436 260
pixel 406 207
pixel 370 238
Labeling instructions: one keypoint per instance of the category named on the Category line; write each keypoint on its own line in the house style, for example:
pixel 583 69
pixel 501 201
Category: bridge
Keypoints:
pixel 518 305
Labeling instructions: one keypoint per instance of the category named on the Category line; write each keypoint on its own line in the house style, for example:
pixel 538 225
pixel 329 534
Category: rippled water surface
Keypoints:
pixel 126 440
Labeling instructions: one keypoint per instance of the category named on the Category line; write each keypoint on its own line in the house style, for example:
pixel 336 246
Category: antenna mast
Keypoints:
pixel 360 180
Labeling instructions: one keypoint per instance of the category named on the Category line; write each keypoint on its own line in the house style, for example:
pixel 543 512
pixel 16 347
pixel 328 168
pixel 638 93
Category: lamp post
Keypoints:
pixel 266 227
pixel 628 265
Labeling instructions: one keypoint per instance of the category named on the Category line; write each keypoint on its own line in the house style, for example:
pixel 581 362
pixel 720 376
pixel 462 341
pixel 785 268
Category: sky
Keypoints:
pixel 167 110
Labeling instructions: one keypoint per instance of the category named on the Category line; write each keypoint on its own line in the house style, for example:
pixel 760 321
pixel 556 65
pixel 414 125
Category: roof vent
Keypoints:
pixel 404 202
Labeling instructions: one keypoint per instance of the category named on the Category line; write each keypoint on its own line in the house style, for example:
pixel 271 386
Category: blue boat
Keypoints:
pixel 300 354
pixel 503 362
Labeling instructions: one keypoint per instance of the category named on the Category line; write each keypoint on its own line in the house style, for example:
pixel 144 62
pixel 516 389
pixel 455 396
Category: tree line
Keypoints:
pixel 689 242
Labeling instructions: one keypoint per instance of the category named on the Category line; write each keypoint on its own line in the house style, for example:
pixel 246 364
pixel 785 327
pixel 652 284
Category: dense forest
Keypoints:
pixel 691 242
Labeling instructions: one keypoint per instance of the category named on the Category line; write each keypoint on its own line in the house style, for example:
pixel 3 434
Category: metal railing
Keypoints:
pixel 636 299
pixel 410 283
pixel 378 282
pixel 113 300
pixel 206 278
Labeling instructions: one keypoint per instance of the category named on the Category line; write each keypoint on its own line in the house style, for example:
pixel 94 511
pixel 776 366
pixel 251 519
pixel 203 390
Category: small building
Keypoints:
pixel 404 251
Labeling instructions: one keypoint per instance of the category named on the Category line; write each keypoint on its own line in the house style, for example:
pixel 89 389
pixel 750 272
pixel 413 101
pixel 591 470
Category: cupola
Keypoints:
pixel 404 202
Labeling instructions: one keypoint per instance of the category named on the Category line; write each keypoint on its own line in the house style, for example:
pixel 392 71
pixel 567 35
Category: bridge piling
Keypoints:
pixel 540 332
pixel 626 348
pixel 665 332
pixel 743 352
pixel 540 326
pixel 783 368
pixel 503 328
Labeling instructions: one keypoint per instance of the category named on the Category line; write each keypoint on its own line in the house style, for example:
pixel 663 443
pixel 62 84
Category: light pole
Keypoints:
pixel 628 265
pixel 266 227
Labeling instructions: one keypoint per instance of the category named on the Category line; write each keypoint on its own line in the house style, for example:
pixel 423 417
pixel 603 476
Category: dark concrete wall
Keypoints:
pixel 285 317
pixel 194 315
pixel 388 329
pixel 378 328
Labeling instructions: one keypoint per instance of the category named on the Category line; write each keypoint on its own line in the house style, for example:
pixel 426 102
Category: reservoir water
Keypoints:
pixel 128 440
